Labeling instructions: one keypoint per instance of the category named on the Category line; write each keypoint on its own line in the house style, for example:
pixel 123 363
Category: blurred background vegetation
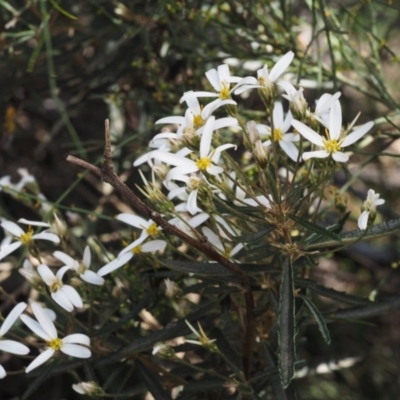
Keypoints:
pixel 66 66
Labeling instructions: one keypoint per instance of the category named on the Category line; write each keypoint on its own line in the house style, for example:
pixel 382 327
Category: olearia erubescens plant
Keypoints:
pixel 239 212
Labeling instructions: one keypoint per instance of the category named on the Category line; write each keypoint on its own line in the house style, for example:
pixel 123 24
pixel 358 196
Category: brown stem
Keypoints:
pixel 108 175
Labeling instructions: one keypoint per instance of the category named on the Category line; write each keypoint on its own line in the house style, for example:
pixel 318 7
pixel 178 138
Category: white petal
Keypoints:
pixel 335 120
pixel 171 159
pixel 11 318
pixel 192 102
pixel 290 149
pixel 214 170
pixel 363 220
pixel 223 73
pixel 314 154
pixel 277 115
pixel 225 122
pixel 357 134
pixel 33 223
pixel 60 273
pixel 171 120
pixel 66 259
pixel 11 346
pixel 115 264
pixel 87 257
pixel 198 220
pixel 2 372
pixel 46 274
pixel 134 220
pixel 192 202
pixel 280 67
pixel 243 88
pixel 13 228
pixel 40 359
pixel 92 277
pixel 35 327
pixel 212 76
pixel 202 94
pixel 44 320
pixel 72 295
pixel 179 171
pixel 212 238
pixel 47 236
pixel 8 249
pixel 221 148
pixel 74 350
pixel 308 133
pixel 206 137
pixel 340 157
pixel 154 245
pixel 62 300
pixel 77 338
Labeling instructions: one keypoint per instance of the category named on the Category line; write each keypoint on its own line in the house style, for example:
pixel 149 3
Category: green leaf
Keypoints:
pixel 272 378
pixel 341 297
pixel 378 308
pixel 44 374
pixel 386 228
pixel 152 382
pixel 253 237
pixel 286 325
pixel 315 228
pixel 318 318
pixel 213 269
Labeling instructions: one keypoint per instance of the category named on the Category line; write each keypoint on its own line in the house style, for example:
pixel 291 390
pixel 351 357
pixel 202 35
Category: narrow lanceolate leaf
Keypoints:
pixel 379 308
pixel 386 228
pixel 315 228
pixel 214 269
pixel 152 381
pixel 318 318
pixel 341 297
pixel 286 323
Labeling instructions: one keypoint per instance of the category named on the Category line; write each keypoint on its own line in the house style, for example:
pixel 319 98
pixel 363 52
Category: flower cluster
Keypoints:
pixel 199 186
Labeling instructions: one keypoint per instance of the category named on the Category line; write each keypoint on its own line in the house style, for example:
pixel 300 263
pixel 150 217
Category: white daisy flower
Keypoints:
pixel 11 346
pixel 128 252
pixel 369 209
pixel 88 388
pixel 265 79
pixel 220 80
pixel 281 126
pixel 64 295
pixel 207 160
pixel 335 140
pixel 81 267
pixel 25 238
pixel 72 345
pixel 149 228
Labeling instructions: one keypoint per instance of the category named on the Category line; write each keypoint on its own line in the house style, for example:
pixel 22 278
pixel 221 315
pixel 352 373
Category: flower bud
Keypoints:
pixel 91 389
pixel 172 290
pixel 260 153
pixel 163 350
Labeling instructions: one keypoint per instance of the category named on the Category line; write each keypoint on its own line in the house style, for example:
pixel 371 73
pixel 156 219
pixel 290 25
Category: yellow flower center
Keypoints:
pixel 26 238
pixel 81 269
pixel 198 121
pixel 278 135
pixel 203 163
pixel 137 250
pixel 152 230
pixel 332 145
pixel 193 183
pixel 224 93
pixel 55 344
pixel 55 286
